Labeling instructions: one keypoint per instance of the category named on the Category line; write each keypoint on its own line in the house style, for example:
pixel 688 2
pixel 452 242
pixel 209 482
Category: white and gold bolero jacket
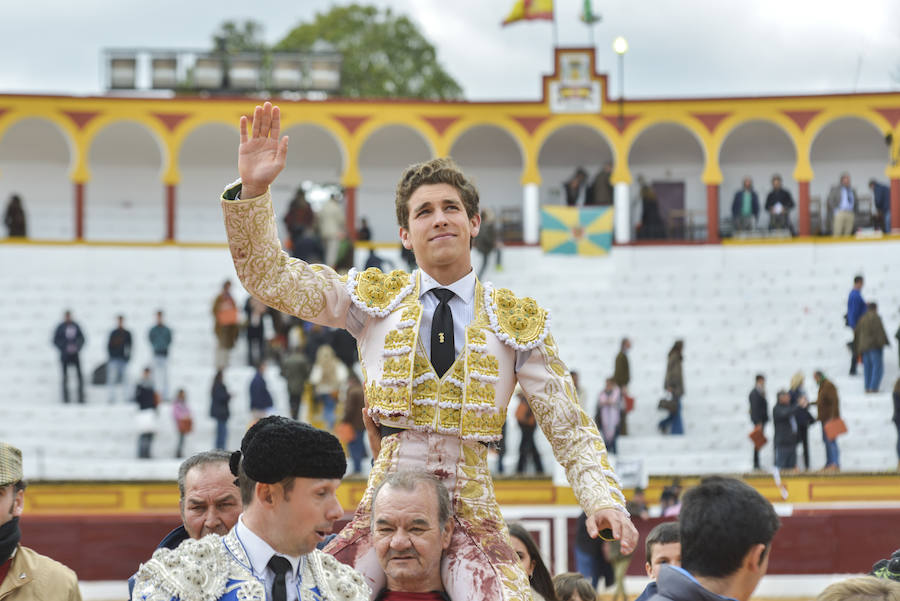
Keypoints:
pixel 402 388
pixel 216 568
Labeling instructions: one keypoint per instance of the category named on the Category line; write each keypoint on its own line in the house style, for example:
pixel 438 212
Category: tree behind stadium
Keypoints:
pixel 384 54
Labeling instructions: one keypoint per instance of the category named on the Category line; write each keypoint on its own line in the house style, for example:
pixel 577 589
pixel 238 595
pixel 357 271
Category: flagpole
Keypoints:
pixel 555 32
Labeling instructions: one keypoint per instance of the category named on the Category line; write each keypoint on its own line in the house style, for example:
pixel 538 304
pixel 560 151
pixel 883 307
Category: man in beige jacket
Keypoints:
pixel 24 574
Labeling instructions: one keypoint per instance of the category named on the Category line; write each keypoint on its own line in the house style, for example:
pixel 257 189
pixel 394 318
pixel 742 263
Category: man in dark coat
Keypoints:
pixel 622 376
pixel 870 342
pixel 784 416
pixel 881 195
pixel 779 204
pixel 759 411
pixel 69 340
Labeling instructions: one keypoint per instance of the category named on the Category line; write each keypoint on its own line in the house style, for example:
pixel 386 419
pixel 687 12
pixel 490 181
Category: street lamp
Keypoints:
pixel 620 45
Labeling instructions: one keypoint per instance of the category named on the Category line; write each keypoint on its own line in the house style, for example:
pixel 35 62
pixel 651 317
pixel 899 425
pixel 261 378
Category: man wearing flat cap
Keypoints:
pixel 24 574
pixel 288 473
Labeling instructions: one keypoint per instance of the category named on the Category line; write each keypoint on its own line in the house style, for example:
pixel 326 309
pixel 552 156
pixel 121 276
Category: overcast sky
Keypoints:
pixel 677 47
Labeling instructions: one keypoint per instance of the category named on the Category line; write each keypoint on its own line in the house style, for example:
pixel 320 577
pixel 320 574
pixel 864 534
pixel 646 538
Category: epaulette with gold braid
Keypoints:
pixel 518 322
pixel 379 293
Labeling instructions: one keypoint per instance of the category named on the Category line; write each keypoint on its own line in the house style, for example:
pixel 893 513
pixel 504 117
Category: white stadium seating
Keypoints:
pixel 742 310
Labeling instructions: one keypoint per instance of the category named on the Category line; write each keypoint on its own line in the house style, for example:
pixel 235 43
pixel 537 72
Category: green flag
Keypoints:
pixel 588 15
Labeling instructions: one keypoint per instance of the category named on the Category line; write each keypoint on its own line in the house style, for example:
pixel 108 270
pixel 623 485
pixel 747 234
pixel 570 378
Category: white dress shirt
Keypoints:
pixel 462 307
pixel 259 552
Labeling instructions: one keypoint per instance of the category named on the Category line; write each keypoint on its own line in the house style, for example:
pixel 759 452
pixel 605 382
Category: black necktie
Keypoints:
pixel 443 350
pixel 280 566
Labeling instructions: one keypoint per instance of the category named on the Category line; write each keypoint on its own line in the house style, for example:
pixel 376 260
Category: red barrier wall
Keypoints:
pixel 809 542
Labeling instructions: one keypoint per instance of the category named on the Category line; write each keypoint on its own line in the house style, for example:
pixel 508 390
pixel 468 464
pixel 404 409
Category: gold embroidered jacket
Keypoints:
pixel 402 389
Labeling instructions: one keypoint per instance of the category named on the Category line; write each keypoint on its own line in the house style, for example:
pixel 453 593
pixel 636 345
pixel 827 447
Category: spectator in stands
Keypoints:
pixel 363 234
pixel 651 226
pixel 344 345
pixel 225 312
pixel 804 417
pixel 779 204
pixel 637 505
pixel 527 425
pixel 295 369
pixel 328 377
pixel 68 339
pixel 307 246
pixel 254 312
pixel 842 207
pixel 261 403
pixel 119 347
pixel 620 562
pixel 24 574
pixel 218 409
pixel 488 242
pixel 532 563
pixel 288 474
pixel 663 547
pixel 331 227
pixel 896 417
pixel 209 500
pixel 316 337
pixel 590 555
pixel 601 189
pixel 354 405
pixel 346 254
pixel 828 406
pixel 15 217
pixel 160 340
pixel 571 586
pixel 856 306
pixel 299 220
pixel 377 261
pixel 881 196
pixel 726 530
pixel 622 376
pixel 870 342
pixel 412 525
pixel 409 257
pixel 759 412
pixel 674 385
pixel 862 588
pixel 184 421
pixel 609 409
pixel 784 416
pixel 745 207
pixel 897 336
pixel 147 401
pixel 669 502
pixel 572 187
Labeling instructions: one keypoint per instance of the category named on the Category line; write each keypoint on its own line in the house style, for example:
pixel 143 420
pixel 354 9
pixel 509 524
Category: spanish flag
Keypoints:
pixel 530 10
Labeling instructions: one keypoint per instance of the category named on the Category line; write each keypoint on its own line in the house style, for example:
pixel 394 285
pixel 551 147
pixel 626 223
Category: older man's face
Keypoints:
pixel 11 503
pixel 409 539
pixel 212 502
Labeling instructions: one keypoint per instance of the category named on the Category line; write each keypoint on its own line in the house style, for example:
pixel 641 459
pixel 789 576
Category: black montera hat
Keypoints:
pixel 276 448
